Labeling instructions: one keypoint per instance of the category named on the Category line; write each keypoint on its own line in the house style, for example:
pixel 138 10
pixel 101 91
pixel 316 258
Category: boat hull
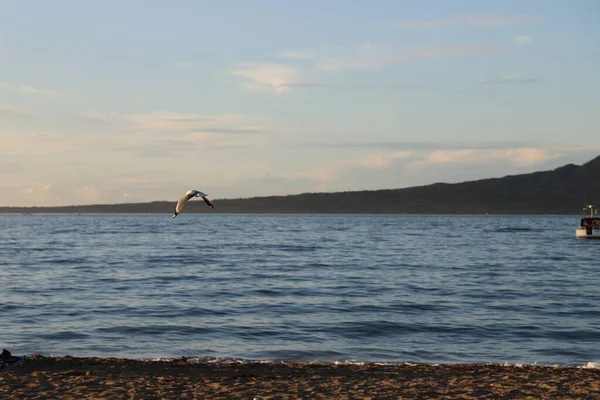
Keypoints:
pixel 582 233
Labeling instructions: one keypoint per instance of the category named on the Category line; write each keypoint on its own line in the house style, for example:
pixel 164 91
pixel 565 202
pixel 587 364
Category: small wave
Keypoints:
pixel 292 248
pixel 591 365
pixel 514 229
pixel 234 360
pixel 64 335
pixel 155 330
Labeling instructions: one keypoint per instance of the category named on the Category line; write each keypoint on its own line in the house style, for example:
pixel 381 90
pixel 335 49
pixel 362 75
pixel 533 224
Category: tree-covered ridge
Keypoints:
pixel 563 190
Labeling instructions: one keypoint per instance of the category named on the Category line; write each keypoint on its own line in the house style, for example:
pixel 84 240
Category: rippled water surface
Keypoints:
pixel 435 289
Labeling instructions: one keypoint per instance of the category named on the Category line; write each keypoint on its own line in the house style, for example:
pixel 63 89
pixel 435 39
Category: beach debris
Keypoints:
pixel 7 359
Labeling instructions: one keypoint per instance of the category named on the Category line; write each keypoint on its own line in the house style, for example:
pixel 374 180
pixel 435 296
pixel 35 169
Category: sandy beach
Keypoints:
pixel 110 378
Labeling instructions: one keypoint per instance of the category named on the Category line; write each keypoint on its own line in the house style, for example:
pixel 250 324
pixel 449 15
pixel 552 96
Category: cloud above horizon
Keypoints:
pixel 149 134
pixel 264 77
pixel 509 80
pixel 282 78
pixel 29 89
pixel 289 98
pixel 185 65
pixel 418 54
pixel 524 156
pixel 472 20
pixel 14 111
pixel 523 39
pixel 326 176
pixel 298 55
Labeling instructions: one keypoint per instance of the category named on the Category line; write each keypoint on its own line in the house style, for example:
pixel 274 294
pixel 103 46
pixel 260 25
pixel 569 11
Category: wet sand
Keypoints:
pixel 109 378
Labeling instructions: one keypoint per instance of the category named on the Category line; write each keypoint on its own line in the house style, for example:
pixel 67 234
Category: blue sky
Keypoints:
pixel 134 101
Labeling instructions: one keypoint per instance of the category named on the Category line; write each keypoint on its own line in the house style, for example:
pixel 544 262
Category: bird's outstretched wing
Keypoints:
pixel 208 201
pixel 188 195
pixel 182 201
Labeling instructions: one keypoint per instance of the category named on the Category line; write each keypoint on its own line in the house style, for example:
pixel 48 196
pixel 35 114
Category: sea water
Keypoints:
pixel 389 288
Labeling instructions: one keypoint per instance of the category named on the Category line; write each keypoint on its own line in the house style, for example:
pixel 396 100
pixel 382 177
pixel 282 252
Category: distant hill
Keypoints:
pixel 563 190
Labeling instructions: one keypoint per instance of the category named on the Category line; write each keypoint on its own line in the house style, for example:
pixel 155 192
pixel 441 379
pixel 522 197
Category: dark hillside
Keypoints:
pixel 563 190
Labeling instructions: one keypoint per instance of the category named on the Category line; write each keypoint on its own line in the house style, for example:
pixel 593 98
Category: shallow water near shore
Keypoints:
pixel 424 289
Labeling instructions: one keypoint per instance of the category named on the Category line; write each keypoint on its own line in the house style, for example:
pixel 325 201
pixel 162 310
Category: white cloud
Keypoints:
pixel 324 173
pixel 166 121
pixel 509 79
pixel 523 39
pixel 474 20
pixel 264 77
pixel 166 133
pixel 135 182
pixel 34 143
pixel 333 64
pixel 94 114
pixel 329 172
pixel 369 48
pixel 33 90
pixel 91 194
pixel 382 160
pixel 152 134
pixel 40 190
pixel 172 122
pixel 531 156
pixel 526 156
pixel 185 65
pixel 298 55
pixel 9 110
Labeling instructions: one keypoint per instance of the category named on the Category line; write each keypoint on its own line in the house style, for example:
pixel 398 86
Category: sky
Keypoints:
pixel 136 101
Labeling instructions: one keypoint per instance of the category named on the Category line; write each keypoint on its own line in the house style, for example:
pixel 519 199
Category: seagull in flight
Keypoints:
pixel 188 195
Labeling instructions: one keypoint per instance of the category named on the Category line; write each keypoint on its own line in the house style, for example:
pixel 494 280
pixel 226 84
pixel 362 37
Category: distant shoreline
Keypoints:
pixel 279 213
pixel 562 191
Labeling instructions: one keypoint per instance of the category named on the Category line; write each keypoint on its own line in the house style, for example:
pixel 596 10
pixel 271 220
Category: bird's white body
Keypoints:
pixel 188 195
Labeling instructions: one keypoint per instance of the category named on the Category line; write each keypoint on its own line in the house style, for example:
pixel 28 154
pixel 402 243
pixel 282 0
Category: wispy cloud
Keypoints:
pixel 119 149
pixel 166 133
pixel 474 20
pixel 426 155
pixel 523 39
pixel 39 193
pixel 39 143
pixel 526 156
pixel 173 122
pixel 165 121
pixel 417 147
pixel 34 90
pixel 368 46
pixel 298 55
pixel 510 80
pixel 14 111
pixel 382 160
pixel 280 78
pixel 13 167
pixel 311 85
pixel 262 77
pixel 100 115
pixel 185 65
pixel 159 133
pixel 334 64
pixel 327 173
